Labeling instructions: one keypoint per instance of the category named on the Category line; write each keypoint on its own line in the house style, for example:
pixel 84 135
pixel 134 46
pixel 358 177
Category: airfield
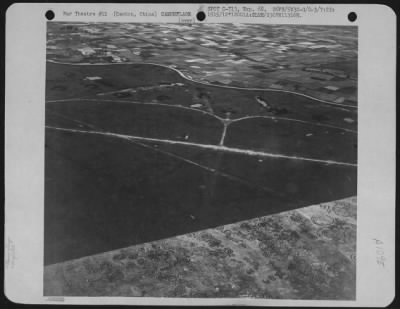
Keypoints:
pixel 136 153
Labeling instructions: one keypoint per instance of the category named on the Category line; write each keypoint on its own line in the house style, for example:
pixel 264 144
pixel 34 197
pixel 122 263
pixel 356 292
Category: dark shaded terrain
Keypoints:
pixel 293 139
pixel 68 81
pixel 173 123
pixel 138 119
pixel 104 192
pixel 289 179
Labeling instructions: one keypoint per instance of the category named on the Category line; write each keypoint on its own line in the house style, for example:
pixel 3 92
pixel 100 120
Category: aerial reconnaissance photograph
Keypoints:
pixel 201 161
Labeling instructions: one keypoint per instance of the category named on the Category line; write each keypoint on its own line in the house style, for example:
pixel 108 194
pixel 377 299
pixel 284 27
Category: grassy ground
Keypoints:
pixel 104 193
pixel 294 139
pixel 138 119
pixel 66 81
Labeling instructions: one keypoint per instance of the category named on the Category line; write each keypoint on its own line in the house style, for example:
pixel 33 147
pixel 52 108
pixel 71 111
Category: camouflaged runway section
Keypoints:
pixel 308 253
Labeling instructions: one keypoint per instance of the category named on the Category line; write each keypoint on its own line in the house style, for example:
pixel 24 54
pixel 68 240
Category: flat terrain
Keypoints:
pixel 66 81
pixel 144 120
pixel 115 193
pixel 293 138
pixel 181 160
pixel 152 83
pixel 137 153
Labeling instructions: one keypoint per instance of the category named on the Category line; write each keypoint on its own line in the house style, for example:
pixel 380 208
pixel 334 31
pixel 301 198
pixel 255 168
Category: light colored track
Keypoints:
pixel 204 112
pixel 208 84
pixel 73 120
pixel 207 168
pixel 207 146
pixel 142 103
pixel 222 140
pixel 295 120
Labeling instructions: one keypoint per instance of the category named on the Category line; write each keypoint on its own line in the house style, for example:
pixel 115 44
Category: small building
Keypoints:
pixel 332 88
pixel 93 78
pixel 87 51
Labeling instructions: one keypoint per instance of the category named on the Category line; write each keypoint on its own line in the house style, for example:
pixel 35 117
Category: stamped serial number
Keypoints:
pixel 380 252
